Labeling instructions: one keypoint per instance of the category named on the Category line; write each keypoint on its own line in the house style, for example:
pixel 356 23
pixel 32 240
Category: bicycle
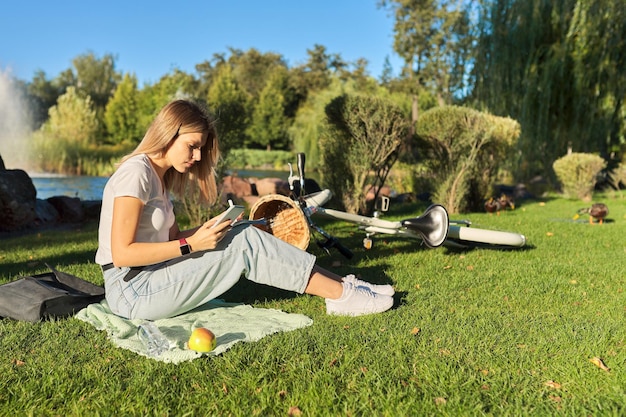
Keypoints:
pixel 433 227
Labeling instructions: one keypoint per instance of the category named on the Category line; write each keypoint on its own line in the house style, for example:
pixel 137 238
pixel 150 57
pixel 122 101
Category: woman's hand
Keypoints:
pixel 207 237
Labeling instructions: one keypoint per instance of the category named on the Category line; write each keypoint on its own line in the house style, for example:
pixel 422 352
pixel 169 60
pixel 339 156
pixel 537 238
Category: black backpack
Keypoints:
pixel 51 294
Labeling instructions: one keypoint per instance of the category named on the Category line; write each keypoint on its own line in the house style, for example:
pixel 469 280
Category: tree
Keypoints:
pixel 175 85
pixel 558 68
pixel 42 95
pixel 315 74
pixel 597 35
pixel 122 115
pixel 269 124
pixel 434 39
pixel 230 105
pixel 387 74
pixel 96 77
pixel 252 69
pixel 207 71
pixel 73 119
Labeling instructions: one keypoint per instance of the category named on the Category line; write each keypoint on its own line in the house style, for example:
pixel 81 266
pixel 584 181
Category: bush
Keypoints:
pixel 464 148
pixel 359 145
pixel 61 156
pixel 618 176
pixel 257 158
pixel 578 174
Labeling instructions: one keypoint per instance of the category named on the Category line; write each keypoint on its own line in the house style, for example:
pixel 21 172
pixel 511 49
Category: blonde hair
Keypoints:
pixel 176 118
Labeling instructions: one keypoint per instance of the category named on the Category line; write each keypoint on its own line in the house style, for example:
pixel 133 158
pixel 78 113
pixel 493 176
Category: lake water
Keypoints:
pixel 90 188
pixel 83 187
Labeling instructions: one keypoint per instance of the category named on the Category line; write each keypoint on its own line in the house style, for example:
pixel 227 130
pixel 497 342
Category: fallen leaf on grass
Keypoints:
pixel 18 362
pixel 447 267
pixel 294 411
pixel 415 330
pixel 552 384
pixel 440 401
pixel 549 234
pixel 599 363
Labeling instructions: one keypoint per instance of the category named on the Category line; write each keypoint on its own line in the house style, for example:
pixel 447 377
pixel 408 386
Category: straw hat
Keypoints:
pixel 285 219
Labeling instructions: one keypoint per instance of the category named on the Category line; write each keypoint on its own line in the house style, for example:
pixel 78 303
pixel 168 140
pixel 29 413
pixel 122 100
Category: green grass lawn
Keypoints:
pixel 477 332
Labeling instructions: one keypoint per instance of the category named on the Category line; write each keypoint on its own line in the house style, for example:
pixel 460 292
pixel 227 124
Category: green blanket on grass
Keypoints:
pixel 231 323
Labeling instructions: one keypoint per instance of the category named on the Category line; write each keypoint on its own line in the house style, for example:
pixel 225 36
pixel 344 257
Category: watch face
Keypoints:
pixel 185 250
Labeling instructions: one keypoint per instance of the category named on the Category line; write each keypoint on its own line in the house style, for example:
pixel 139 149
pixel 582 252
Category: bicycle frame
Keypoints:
pixel 458 234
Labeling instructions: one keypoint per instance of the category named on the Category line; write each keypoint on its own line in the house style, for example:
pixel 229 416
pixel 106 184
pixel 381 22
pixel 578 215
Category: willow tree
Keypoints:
pixel 597 36
pixel 557 67
pixel 522 70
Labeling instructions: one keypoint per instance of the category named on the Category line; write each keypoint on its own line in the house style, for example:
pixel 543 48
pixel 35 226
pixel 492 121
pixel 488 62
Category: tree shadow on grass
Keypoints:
pixel 41 247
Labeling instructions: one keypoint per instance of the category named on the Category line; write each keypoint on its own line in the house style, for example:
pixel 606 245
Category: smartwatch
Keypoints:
pixel 185 249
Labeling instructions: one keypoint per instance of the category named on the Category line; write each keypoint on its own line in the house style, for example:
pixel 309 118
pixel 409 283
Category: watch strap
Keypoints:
pixel 185 249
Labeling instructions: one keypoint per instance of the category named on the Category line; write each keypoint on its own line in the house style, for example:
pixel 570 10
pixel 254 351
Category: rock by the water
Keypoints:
pixel 17 200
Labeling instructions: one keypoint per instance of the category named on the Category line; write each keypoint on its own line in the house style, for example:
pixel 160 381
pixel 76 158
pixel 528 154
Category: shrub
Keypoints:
pixel 618 176
pixel 359 145
pixel 578 174
pixel 258 158
pixel 464 148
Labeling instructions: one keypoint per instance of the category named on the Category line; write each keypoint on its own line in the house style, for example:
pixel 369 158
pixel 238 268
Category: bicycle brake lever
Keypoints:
pixel 301 160
pixel 292 178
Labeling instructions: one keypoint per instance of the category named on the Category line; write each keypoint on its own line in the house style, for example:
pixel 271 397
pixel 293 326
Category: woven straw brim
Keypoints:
pixel 284 218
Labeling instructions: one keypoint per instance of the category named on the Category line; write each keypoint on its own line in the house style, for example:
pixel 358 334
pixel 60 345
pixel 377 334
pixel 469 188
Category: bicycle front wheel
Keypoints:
pixel 471 237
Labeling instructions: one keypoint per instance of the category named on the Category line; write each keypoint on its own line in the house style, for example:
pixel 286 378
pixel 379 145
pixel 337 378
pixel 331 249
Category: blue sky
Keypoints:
pixel 151 38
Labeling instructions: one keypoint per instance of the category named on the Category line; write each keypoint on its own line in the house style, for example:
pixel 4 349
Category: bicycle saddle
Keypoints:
pixel 432 225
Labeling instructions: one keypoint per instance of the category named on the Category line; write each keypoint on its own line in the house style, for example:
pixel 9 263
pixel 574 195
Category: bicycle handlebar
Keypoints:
pixel 333 242
pixel 344 251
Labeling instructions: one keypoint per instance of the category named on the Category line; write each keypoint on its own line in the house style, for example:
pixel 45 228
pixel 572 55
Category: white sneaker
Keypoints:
pixel 357 301
pixel 379 289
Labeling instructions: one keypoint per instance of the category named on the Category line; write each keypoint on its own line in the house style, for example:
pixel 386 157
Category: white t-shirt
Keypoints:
pixel 136 178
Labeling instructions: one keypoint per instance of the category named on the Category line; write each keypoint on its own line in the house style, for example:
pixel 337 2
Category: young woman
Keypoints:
pixel 153 270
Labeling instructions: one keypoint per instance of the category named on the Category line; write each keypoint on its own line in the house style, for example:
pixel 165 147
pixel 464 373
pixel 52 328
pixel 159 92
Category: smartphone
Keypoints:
pixel 231 214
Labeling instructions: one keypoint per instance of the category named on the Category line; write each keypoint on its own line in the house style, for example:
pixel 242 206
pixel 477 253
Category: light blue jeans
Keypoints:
pixel 184 283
